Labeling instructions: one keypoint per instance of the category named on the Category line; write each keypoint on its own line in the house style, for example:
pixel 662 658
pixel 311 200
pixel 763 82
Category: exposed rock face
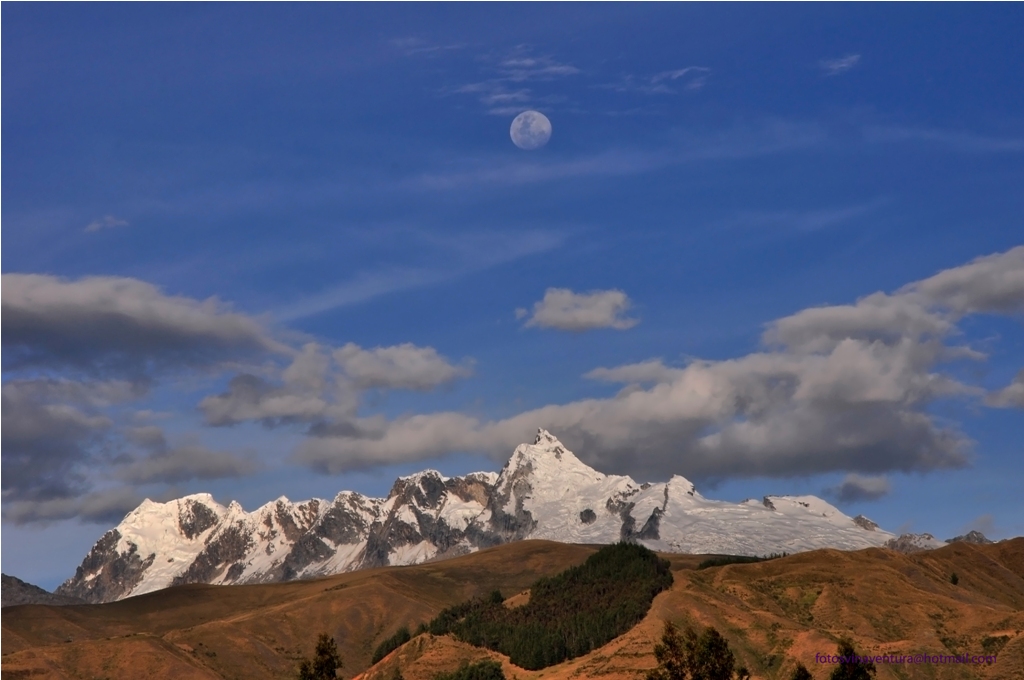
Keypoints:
pixel 864 523
pixel 16 591
pixel 544 491
pixel 109 572
pixel 970 537
pixel 909 543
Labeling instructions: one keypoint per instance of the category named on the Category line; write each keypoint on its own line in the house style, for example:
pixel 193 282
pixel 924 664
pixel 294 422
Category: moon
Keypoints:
pixel 530 130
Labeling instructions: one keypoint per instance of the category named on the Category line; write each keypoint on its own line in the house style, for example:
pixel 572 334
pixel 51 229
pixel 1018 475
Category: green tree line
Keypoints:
pixel 568 615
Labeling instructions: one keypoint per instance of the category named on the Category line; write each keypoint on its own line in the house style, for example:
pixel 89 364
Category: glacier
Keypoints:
pixel 543 492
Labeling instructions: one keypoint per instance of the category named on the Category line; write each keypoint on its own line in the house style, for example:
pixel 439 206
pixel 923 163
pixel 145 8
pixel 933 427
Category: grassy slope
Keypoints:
pixel 773 614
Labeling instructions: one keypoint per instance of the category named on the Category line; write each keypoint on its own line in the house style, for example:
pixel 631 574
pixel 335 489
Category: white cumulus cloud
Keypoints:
pixel 565 310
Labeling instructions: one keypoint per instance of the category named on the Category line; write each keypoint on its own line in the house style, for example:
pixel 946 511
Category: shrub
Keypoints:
pixel 722 560
pixel 954 579
pixel 851 669
pixel 801 673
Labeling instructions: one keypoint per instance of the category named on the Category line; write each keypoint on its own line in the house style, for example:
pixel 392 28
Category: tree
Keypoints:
pixel 325 662
pixel 954 579
pixel 689 656
pixel 801 673
pixel 482 670
pixel 671 656
pixel 850 668
pixel 710 656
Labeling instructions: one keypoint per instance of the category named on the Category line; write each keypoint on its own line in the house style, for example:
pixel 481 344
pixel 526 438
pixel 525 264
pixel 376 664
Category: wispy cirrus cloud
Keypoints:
pixel 667 82
pixel 779 222
pixel 834 67
pixel 956 140
pixel 464 255
pixel 105 222
pixel 413 46
pixel 510 79
pixel 746 141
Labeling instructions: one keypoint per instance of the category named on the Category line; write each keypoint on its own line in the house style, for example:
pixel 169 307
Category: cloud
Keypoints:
pixel 110 340
pixel 462 256
pixel 855 488
pixel 565 310
pixel 101 507
pixel 740 142
pixel 956 140
pixel 404 366
pixel 57 444
pixel 652 371
pixel 991 284
pixel 49 430
pixel 986 524
pixel 504 93
pixel 833 67
pixel 185 463
pixel 250 397
pixel 120 326
pixel 691 78
pixel 523 67
pixel 494 98
pixel 412 46
pixel 307 394
pixel 374 441
pixel 789 221
pixel 1011 396
pixel 836 388
pixel 323 385
pixel 878 317
pixel 105 222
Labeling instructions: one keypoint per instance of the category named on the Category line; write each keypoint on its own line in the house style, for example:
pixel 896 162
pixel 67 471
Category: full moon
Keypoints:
pixel 530 130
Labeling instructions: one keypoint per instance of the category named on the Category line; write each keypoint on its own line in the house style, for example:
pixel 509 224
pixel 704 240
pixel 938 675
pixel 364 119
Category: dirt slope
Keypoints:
pixel 773 614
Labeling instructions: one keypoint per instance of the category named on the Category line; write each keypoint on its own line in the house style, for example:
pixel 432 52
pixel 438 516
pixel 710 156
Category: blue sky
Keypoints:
pixel 275 249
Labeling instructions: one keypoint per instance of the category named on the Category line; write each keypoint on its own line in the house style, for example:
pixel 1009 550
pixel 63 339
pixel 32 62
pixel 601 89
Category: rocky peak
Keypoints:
pixel 424 489
pixel 195 517
pixel 16 591
pixel 970 537
pixel 545 439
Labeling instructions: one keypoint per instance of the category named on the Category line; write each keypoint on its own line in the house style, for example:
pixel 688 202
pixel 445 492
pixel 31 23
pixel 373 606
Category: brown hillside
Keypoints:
pixel 774 614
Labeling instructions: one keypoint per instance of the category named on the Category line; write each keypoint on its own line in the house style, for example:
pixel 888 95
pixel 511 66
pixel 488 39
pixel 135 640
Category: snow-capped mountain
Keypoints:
pixel 544 491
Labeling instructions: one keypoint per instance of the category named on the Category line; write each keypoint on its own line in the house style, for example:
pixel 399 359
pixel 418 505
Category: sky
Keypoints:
pixel 272 249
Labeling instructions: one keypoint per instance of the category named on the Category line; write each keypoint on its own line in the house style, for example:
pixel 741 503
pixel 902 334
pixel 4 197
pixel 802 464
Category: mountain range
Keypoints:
pixel 543 492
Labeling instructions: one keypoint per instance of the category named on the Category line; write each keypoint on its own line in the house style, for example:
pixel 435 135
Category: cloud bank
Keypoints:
pixel 836 388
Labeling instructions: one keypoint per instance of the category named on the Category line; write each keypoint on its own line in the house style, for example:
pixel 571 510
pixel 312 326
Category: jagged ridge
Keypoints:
pixel 544 491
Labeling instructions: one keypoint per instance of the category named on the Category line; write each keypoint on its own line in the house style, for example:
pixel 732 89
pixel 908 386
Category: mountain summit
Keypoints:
pixel 544 491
